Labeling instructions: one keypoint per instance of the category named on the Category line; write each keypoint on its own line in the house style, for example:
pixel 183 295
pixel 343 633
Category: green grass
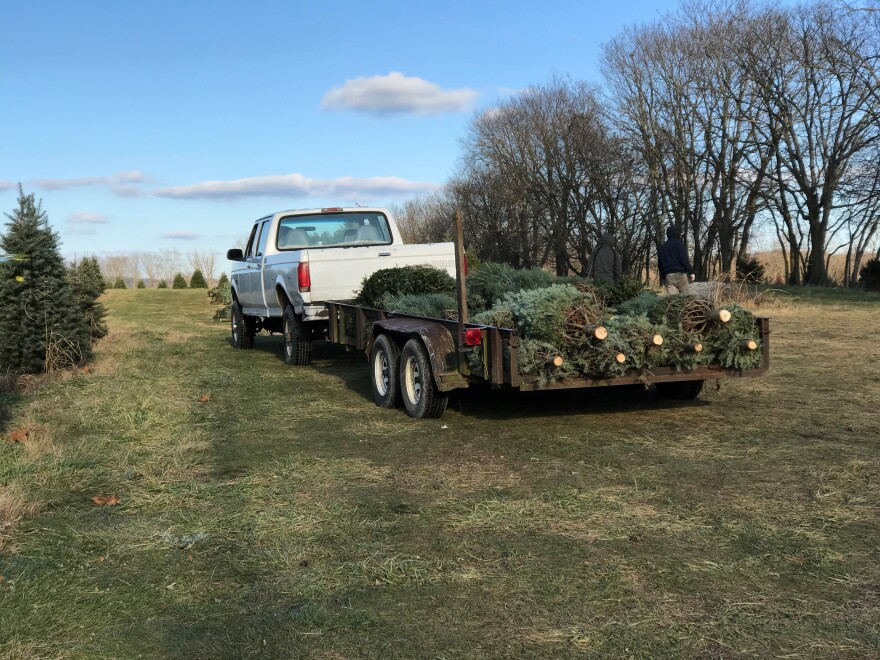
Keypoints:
pixel 289 517
pixel 828 295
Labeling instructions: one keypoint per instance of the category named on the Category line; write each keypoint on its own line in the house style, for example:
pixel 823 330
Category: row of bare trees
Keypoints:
pixel 155 267
pixel 723 118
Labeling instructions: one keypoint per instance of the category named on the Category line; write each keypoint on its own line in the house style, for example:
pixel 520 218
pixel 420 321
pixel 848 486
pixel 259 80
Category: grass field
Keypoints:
pixel 287 516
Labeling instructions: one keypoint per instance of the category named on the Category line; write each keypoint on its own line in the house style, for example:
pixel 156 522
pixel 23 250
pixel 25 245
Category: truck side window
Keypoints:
pixel 264 234
pixel 250 244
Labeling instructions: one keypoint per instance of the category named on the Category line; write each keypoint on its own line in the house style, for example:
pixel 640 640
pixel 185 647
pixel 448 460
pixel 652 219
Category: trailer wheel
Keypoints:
pixel 384 365
pixel 242 328
pixel 420 396
pixel 684 390
pixel 297 349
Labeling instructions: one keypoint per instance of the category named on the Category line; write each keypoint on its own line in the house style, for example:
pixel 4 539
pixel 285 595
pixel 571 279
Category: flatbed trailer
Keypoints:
pixel 419 360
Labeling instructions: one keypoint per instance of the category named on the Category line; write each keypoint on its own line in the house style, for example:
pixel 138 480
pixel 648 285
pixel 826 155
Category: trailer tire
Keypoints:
pixel 242 328
pixel 384 367
pixel 420 396
pixel 683 390
pixel 296 348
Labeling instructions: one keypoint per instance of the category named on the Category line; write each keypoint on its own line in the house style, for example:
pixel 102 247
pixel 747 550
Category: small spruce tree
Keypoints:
pixel 179 282
pixel 162 284
pixel 88 284
pixel 869 275
pixel 223 281
pixel 119 283
pixel 141 285
pixel 197 281
pixel 41 325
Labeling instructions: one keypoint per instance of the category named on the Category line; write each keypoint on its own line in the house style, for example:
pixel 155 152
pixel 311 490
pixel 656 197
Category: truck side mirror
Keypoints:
pixel 235 254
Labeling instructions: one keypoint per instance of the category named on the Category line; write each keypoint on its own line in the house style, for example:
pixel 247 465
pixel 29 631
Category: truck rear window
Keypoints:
pixel 324 230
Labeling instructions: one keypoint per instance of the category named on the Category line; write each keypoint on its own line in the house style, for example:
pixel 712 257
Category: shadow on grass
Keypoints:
pixel 8 400
pixel 482 402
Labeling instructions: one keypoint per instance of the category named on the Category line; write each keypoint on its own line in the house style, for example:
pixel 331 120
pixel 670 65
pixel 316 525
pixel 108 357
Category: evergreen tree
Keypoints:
pixel 88 284
pixel 223 281
pixel 179 282
pixel 162 284
pixel 141 285
pixel 41 325
pixel 197 281
pixel 119 283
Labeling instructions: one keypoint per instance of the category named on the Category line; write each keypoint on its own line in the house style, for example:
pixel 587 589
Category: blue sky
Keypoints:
pixel 150 126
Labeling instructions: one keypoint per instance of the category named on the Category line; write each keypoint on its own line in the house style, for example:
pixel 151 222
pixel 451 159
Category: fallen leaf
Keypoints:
pixel 101 558
pixel 204 398
pixel 2 579
pixel 86 369
pixel 105 500
pixel 19 435
pixel 189 557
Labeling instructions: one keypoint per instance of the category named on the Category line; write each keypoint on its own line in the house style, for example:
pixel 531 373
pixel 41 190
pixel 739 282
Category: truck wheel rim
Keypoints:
pixel 288 338
pixel 234 328
pixel 413 378
pixel 380 373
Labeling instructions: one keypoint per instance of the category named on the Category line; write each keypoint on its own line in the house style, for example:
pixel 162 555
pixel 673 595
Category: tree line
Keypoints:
pixel 723 119
pixel 152 269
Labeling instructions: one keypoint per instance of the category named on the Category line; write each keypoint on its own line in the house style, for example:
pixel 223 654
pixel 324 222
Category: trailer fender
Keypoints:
pixel 438 341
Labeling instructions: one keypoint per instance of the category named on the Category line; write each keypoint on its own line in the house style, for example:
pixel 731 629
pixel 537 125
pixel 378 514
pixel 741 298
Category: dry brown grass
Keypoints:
pixel 14 506
pixel 774 266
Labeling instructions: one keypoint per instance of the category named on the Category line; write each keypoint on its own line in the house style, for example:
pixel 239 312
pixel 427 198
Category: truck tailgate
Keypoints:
pixel 337 273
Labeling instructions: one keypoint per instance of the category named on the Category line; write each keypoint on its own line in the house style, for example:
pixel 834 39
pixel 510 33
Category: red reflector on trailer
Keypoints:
pixel 331 210
pixel 472 337
pixel 303 277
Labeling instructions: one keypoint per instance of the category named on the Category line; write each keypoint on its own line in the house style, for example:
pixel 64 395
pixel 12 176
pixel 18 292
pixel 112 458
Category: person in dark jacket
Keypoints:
pixel 605 262
pixel 675 267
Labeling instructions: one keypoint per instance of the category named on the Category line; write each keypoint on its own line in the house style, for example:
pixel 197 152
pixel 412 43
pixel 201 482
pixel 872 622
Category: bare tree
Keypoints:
pixel 203 260
pixel 814 67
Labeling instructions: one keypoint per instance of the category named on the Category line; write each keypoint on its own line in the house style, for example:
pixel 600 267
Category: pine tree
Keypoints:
pixel 119 283
pixel 141 285
pixel 197 281
pixel 179 282
pixel 88 284
pixel 41 325
pixel 162 284
pixel 223 281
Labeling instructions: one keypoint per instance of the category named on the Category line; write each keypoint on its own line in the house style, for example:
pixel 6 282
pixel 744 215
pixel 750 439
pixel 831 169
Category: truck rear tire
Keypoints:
pixel 297 349
pixel 384 367
pixel 242 328
pixel 420 396
pixel 683 390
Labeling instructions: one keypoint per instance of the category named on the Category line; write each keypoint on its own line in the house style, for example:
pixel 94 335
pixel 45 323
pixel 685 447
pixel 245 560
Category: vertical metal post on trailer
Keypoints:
pixel 460 281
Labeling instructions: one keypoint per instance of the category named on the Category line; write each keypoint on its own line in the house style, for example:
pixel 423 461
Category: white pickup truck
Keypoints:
pixel 295 261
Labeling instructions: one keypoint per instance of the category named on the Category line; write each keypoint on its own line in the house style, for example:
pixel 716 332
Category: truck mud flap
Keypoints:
pixel 439 343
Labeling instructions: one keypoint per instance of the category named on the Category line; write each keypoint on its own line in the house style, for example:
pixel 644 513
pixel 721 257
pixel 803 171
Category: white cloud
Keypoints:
pixel 181 234
pixel 123 184
pixel 86 217
pixel 82 231
pixel 396 94
pixel 297 185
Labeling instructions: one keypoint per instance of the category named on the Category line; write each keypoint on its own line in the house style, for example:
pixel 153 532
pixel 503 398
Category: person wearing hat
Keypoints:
pixel 605 262
pixel 675 267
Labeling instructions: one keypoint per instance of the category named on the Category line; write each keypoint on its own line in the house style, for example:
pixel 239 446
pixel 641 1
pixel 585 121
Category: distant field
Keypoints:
pixel 285 515
pixel 774 266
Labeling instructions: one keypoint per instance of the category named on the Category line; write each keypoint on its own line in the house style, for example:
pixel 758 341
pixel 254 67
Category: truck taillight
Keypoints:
pixel 303 277
pixel 472 337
